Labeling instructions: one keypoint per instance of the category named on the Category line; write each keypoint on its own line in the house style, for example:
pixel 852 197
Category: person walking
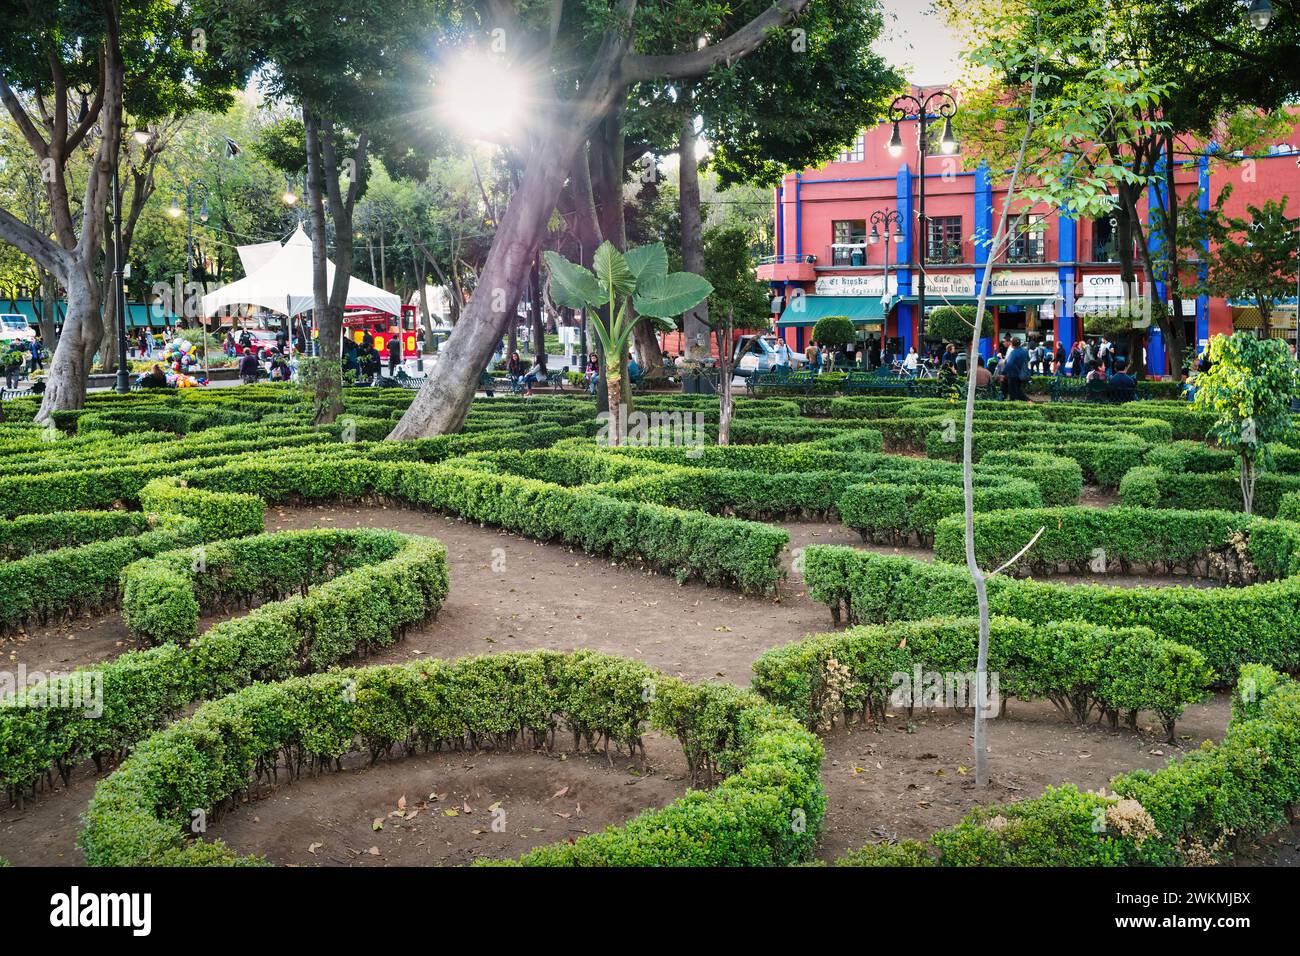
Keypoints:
pixel 249 367
pixel 1059 360
pixel 1016 371
pixel 394 354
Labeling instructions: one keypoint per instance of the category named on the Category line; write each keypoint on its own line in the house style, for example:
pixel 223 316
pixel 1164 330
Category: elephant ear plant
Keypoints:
pixel 626 285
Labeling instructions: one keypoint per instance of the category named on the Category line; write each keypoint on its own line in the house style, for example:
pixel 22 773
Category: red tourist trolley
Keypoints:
pixel 382 326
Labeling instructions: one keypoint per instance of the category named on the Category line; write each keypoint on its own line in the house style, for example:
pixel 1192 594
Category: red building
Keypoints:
pixel 1044 284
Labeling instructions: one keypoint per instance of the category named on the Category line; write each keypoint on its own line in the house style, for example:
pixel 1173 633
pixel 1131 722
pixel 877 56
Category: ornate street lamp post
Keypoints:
pixel 943 105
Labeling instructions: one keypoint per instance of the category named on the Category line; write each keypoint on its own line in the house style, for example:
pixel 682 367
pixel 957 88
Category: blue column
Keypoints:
pixel 1067 252
pixel 983 236
pixel 903 252
pixel 780 222
pixel 798 218
pixel 1203 204
pixel 1156 193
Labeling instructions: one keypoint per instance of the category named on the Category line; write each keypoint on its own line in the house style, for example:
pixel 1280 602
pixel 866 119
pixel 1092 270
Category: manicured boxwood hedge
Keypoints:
pixel 1152 487
pixel 897 512
pixel 33 534
pixel 1122 537
pixel 56 584
pixel 1230 626
pixel 1196 810
pixel 220 514
pixel 688 544
pixel 767 810
pixel 163 596
pixel 1080 667
pixel 356 613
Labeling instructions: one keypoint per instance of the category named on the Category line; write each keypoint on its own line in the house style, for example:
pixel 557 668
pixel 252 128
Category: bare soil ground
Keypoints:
pixel 449 809
pixel 906 780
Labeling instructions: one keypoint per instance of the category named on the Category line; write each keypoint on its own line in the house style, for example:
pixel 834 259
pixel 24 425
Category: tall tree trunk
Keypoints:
pixel 695 323
pixel 65 385
pixel 726 407
pixel 323 177
pixel 440 406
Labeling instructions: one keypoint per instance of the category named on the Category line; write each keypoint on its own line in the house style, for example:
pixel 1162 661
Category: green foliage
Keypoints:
pixel 61 583
pixel 221 515
pixel 1252 258
pixel 767 810
pixel 1080 667
pixel 834 331
pixel 1229 626
pixel 1113 540
pixel 955 323
pixel 729 267
pixel 1248 388
pixel 359 612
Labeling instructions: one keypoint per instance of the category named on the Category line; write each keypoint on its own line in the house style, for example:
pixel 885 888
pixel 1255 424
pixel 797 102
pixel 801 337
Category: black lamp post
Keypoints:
pixel 175 211
pixel 944 105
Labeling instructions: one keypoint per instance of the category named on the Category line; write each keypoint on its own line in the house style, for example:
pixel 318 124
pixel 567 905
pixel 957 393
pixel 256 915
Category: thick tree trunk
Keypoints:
pixel 65 385
pixel 695 323
pixel 440 406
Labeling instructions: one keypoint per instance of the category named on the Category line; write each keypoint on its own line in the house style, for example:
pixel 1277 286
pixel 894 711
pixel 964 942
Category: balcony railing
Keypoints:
pixel 785 259
pixel 849 253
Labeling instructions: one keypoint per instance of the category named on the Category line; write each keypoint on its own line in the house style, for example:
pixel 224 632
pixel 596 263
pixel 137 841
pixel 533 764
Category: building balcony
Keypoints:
pixel 787 268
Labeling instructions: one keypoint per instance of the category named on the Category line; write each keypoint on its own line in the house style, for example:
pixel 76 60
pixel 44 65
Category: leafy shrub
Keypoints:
pixel 1259 623
pixel 766 811
pixel 220 514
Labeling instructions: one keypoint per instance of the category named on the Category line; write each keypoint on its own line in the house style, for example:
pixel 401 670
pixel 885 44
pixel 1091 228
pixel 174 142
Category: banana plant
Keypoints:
pixel 628 285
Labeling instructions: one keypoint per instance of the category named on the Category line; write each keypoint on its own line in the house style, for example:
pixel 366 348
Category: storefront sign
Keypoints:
pixel 1019 282
pixel 949 283
pixel 855 285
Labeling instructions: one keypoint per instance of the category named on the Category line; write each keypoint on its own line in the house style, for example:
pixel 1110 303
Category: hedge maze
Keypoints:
pixel 154 504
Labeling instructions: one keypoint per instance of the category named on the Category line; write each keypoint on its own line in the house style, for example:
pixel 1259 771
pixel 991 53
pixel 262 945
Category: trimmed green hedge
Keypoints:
pixel 70 581
pixel 1152 487
pixel 767 811
pixel 220 514
pixel 163 596
pixel 34 534
pixel 356 613
pixel 1079 667
pixel 1194 811
pixel 1230 626
pixel 688 544
pixel 1121 537
pixel 895 512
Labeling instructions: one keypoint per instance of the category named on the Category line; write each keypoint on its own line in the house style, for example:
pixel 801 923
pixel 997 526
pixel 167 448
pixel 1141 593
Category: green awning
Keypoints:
pixel 934 301
pixel 804 311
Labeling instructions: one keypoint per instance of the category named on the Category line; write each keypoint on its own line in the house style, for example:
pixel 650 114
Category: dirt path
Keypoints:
pixel 904 781
pixel 449 809
pixel 510 593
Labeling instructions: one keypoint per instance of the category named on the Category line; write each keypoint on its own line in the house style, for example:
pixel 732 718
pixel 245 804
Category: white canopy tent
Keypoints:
pixel 283 282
